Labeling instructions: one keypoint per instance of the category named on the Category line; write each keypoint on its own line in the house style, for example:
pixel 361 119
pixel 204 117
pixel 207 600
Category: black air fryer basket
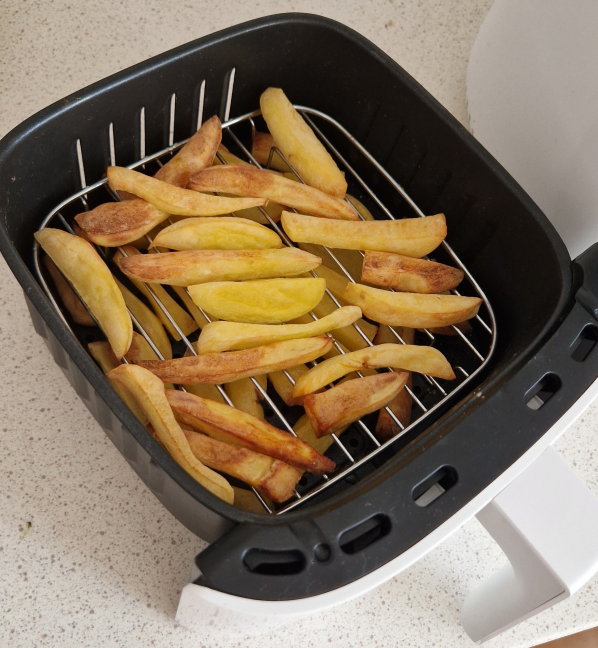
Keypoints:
pixel 536 348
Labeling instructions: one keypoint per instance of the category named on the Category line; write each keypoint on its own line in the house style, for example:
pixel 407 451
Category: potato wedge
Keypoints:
pixel 71 302
pixel 184 321
pixel 197 154
pixel 284 387
pixel 174 200
pixel 84 269
pixel 338 407
pixel 245 396
pixel 413 237
pixel 244 180
pixel 218 368
pixel 148 391
pixel 411 309
pixel 274 478
pixel 118 223
pixel 400 406
pixel 217 233
pixel 423 359
pixel 260 149
pixel 232 336
pixel 200 266
pixel 266 301
pixel 299 145
pixel 233 426
pixel 409 275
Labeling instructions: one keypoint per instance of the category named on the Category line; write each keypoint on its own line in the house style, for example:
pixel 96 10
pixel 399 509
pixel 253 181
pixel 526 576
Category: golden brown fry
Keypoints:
pixel 245 396
pixel 148 391
pixel 70 300
pixel 218 368
pixel 201 266
pixel 413 237
pixel 409 275
pixel 273 478
pixel 411 309
pixel 84 269
pixel 174 200
pixel 347 402
pixel 400 406
pixel 284 387
pixel 233 426
pixel 217 233
pixel 231 336
pixel 118 223
pixel 197 154
pixel 262 143
pixel 423 359
pixel 299 145
pixel 244 180
pixel 266 301
pixel 141 350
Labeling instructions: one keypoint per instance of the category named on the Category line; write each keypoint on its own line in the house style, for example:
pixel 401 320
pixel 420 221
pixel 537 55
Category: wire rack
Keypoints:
pixel 473 349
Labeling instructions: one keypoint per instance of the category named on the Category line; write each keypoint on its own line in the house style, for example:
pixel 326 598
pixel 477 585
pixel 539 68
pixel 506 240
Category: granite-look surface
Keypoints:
pixel 103 563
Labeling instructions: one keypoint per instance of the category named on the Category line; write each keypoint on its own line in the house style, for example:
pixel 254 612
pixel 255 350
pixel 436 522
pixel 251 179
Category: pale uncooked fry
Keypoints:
pixel 260 149
pixel 284 387
pixel 411 309
pixel 400 406
pixel 174 200
pixel 118 223
pixel 245 396
pixel 413 237
pixel 423 359
pixel 239 428
pixel 148 391
pixel 201 266
pixel 218 368
pixel 244 180
pixel 409 275
pixel 274 478
pixel 338 407
pixel 298 143
pixel 197 154
pixel 266 301
pixel 70 300
pixel 217 233
pixel 89 276
pixel 231 336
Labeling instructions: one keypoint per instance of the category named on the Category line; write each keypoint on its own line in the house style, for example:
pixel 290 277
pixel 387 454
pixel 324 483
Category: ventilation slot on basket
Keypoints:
pixel 364 534
pixel 431 488
pixel 274 563
pixel 584 343
pixel 542 391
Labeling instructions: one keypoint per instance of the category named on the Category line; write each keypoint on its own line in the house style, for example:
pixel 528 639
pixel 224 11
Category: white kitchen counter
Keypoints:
pixel 103 562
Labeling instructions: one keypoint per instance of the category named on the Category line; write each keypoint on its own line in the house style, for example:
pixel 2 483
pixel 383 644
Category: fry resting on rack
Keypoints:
pixel 70 300
pixel 244 395
pixel 400 406
pixel 260 149
pixel 233 426
pixel 201 266
pixel 218 368
pixel 413 237
pixel 283 386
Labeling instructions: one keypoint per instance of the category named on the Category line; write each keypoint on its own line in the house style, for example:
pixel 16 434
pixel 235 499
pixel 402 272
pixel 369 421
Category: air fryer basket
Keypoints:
pixel 501 236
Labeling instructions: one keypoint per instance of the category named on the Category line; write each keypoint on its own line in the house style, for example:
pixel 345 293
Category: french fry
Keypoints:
pixel 247 500
pixel 197 154
pixel 423 359
pixel 305 432
pixel 239 428
pixel 266 301
pixel 70 300
pixel 200 266
pixel 141 350
pixel 118 223
pixel 338 407
pixel 217 233
pixel 245 396
pixel 244 180
pixel 411 309
pixel 413 237
pixel 274 478
pixel 299 145
pixel 174 200
pixel 232 336
pixel 148 391
pixel 400 406
pixel 409 275
pixel 385 335
pixel 262 143
pixel 84 269
pixel 284 387
pixel 352 260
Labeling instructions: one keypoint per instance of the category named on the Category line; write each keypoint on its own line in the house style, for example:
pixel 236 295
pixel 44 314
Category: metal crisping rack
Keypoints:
pixel 309 115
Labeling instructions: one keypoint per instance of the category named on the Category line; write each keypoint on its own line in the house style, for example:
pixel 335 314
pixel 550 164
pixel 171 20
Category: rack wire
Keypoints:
pixel 438 392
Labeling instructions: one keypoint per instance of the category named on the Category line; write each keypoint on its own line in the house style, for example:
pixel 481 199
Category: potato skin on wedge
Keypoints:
pixel 413 237
pixel 412 310
pixel 200 266
pixel 218 368
pixel 93 282
pixel 409 275
pixel 338 407
pixel 233 426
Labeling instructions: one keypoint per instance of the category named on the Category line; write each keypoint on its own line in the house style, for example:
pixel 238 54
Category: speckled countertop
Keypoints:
pixel 103 562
